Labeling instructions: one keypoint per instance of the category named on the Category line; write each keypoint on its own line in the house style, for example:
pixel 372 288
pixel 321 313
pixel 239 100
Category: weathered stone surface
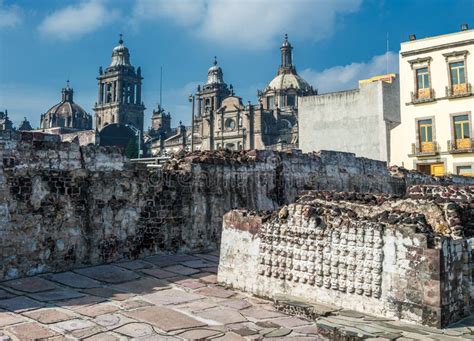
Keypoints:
pixel 197 264
pixel 260 314
pixel 143 285
pixel 162 261
pixel 97 309
pixel 209 257
pixel 19 304
pixel 86 332
pixel 136 330
pixel 7 319
pixel 245 331
pixel 49 315
pixel 5 294
pixel 75 324
pixel 171 296
pixel 133 304
pixel 222 315
pixel 110 293
pixel 112 321
pixel 207 278
pixel 200 334
pixel 74 280
pixel 164 318
pixel 56 295
pixel 78 303
pixel 308 329
pixel 194 306
pixel 30 284
pixel 235 304
pixel 212 269
pixel 230 336
pixel 215 292
pixel 103 337
pixel 181 270
pixel 31 331
pixel 190 283
pixel 290 322
pixel 159 273
pixel 108 273
pixel 135 265
pixel 278 332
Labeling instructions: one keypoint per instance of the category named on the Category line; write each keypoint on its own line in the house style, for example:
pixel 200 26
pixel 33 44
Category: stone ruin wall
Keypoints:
pixel 406 258
pixel 63 205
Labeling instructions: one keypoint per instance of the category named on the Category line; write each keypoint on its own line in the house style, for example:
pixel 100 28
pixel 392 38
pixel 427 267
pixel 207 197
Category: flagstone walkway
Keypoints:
pixel 171 298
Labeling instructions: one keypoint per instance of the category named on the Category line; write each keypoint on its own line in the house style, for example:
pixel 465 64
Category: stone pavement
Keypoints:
pixel 174 298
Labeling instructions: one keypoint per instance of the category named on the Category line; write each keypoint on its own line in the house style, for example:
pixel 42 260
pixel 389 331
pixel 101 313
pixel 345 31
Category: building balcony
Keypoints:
pixel 459 90
pixel 424 149
pixel 461 146
pixel 423 96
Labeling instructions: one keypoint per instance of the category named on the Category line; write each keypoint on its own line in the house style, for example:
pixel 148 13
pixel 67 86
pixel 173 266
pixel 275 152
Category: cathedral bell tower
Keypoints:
pixel 120 90
pixel 209 98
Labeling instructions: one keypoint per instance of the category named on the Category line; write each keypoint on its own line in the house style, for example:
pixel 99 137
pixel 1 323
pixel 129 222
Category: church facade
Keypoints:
pixel 222 121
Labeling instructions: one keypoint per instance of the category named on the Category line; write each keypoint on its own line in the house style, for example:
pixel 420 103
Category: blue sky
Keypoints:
pixel 336 42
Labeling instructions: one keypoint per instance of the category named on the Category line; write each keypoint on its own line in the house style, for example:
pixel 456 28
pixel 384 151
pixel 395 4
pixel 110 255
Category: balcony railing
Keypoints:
pixel 459 90
pixel 423 95
pixel 424 148
pixel 461 146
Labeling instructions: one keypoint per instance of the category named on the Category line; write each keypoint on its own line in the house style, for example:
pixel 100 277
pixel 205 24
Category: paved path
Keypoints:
pixel 170 298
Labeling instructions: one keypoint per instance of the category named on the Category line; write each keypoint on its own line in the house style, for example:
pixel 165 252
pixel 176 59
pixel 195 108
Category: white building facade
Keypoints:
pixel 436 105
pixel 358 121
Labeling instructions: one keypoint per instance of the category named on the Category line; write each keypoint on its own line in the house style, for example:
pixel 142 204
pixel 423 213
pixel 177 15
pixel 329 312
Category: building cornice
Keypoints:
pixel 438 47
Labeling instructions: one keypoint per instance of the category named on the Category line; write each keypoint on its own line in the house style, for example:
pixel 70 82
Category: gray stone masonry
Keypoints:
pixel 63 206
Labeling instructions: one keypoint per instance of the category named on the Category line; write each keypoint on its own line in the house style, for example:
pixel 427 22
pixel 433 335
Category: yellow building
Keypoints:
pixel 436 105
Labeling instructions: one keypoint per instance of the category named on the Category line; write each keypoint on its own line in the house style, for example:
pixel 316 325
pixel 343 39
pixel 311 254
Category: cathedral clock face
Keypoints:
pixel 230 124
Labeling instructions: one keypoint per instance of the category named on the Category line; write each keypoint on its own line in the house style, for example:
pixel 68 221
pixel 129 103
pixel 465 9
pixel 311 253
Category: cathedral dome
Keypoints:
pixel 287 81
pixel 66 114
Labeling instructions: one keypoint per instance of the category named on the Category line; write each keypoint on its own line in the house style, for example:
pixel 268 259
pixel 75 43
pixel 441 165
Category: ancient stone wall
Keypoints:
pixel 396 257
pixel 63 205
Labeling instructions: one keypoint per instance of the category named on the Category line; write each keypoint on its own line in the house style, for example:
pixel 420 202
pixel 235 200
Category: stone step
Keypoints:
pixel 297 306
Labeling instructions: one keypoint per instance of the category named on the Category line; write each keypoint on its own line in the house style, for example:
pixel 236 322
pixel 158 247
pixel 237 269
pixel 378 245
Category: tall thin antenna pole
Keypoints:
pixel 386 55
pixel 161 85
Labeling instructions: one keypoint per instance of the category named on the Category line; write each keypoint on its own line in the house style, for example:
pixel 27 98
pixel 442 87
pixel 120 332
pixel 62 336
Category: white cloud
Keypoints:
pixel 10 16
pixel 75 21
pixel 248 24
pixel 346 77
